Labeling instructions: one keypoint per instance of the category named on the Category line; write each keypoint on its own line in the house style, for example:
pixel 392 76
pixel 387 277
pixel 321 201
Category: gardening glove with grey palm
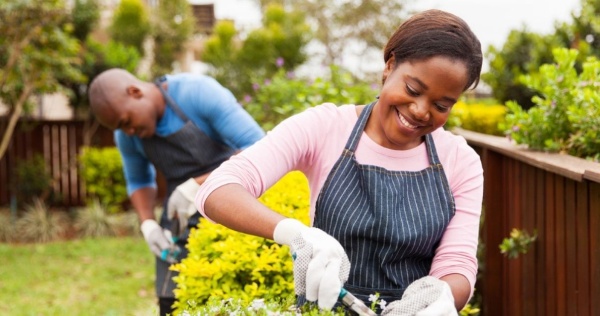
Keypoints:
pixel 159 240
pixel 181 203
pixel 427 296
pixel 321 266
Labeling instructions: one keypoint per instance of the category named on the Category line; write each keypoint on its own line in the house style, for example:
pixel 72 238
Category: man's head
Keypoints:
pixel 119 100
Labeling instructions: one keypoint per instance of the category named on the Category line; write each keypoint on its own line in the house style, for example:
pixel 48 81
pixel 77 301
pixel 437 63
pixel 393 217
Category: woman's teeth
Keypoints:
pixel 405 122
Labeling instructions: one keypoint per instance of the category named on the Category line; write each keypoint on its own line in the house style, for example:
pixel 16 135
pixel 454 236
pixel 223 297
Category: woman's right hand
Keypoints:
pixel 321 266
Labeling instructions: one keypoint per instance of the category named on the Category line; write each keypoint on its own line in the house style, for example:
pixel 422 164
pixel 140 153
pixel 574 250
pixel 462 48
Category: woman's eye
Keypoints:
pixel 411 91
pixel 442 108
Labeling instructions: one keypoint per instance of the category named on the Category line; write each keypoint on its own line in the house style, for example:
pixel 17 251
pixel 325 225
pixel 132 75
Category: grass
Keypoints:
pixel 95 276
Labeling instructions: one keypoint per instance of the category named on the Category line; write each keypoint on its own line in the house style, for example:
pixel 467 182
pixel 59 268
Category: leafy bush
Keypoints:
pixel 225 264
pixel 284 95
pixel 519 242
pixel 477 117
pixel 102 173
pixel 31 180
pixel 566 115
pixel 40 225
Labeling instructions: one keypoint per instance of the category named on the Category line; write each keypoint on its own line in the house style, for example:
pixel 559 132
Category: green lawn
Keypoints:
pixel 108 276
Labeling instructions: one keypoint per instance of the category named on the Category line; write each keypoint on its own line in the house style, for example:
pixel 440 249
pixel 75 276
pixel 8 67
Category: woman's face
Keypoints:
pixel 416 99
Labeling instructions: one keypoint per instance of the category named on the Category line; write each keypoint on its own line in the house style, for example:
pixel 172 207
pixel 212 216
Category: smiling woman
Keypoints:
pixel 395 199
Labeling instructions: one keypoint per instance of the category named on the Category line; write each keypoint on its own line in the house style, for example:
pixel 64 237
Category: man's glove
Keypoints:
pixel 321 266
pixel 427 296
pixel 181 203
pixel 160 241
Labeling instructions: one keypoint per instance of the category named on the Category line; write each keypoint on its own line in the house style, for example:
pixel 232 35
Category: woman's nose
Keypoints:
pixel 419 110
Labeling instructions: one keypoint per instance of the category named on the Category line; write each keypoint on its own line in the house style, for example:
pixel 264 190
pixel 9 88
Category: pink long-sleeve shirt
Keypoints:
pixel 312 142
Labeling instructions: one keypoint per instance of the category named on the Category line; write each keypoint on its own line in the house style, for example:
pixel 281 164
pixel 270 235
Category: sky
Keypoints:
pixel 490 20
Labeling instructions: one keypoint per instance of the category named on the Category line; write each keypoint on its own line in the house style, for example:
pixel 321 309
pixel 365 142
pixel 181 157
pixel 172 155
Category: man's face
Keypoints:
pixel 133 113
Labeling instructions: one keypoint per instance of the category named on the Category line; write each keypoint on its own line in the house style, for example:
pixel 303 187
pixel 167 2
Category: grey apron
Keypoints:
pixel 389 222
pixel 186 153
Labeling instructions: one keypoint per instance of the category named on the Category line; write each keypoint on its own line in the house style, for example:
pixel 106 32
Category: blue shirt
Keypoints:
pixel 213 109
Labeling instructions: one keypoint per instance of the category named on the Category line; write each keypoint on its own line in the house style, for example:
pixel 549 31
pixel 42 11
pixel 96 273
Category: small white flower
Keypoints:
pixel 382 304
pixel 372 297
pixel 258 303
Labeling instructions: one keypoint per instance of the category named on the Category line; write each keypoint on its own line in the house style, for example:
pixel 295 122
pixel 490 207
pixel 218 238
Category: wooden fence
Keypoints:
pixel 559 197
pixel 59 143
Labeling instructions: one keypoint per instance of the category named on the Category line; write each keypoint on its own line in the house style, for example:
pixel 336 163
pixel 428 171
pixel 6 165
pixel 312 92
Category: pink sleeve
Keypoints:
pixel 292 145
pixel 457 252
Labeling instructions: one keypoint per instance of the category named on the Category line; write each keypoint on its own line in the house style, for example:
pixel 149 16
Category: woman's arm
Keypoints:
pixel 243 213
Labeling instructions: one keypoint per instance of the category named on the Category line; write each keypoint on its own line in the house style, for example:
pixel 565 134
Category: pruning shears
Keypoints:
pixel 171 254
pixel 354 304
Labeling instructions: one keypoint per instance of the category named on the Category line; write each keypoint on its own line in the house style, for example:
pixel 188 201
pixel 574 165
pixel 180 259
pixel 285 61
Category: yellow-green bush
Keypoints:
pixel 225 264
pixel 477 117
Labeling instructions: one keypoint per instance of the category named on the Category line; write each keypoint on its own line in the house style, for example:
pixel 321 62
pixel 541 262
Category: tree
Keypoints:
pixel 173 25
pixel 130 24
pixel 279 43
pixel 344 26
pixel 36 49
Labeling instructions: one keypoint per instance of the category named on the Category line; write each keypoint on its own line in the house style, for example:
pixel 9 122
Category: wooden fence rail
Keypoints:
pixel 559 197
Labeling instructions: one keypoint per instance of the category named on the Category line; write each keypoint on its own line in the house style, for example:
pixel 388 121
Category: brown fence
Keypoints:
pixel 557 195
pixel 59 143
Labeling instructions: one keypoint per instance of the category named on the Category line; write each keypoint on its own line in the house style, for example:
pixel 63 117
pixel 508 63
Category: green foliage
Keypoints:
pixel 31 180
pixel 469 310
pixel 259 307
pixel 102 173
pixel 518 243
pixel 40 225
pixel 566 115
pixel 173 25
pixel 6 227
pixel 94 221
pixel 283 95
pixel 36 49
pixel 522 53
pixel 225 264
pixel 477 117
pixel 130 24
pixel 85 16
pixel 236 63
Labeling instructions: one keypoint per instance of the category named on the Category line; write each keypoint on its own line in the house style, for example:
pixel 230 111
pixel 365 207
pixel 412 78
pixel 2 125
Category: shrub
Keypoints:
pixel 225 264
pixel 6 227
pixel 32 180
pixel 94 221
pixel 40 225
pixel 102 173
pixel 284 95
pixel 566 117
pixel 477 117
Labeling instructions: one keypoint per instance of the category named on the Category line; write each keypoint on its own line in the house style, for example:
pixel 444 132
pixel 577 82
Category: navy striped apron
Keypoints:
pixel 389 222
pixel 186 153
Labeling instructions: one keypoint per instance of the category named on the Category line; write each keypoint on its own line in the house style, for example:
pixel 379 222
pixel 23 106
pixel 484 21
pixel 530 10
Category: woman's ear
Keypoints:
pixel 390 65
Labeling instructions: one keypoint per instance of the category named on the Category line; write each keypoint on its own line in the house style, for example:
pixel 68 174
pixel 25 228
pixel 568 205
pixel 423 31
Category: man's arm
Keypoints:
pixel 144 201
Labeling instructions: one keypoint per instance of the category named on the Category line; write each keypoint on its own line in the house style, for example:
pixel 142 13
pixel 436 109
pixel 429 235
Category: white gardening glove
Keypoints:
pixel 427 296
pixel 321 266
pixel 160 241
pixel 181 203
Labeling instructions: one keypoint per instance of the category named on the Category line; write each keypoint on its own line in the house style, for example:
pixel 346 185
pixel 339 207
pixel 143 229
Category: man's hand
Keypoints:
pixel 159 240
pixel 181 203
pixel 427 296
pixel 321 266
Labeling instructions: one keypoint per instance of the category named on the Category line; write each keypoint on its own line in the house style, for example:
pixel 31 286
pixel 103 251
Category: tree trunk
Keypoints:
pixel 14 117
